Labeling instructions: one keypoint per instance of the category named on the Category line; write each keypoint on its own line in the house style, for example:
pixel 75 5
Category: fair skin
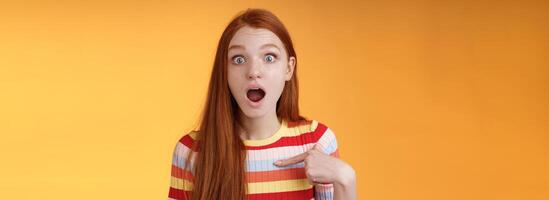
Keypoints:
pixel 257 59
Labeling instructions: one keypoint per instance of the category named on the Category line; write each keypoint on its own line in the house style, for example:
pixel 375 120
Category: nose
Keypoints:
pixel 255 71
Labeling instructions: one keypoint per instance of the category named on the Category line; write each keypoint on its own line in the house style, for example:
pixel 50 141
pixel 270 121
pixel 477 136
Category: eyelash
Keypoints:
pixel 236 56
pixel 272 54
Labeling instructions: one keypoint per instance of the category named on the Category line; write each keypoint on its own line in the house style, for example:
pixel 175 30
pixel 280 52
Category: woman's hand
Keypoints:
pixel 322 168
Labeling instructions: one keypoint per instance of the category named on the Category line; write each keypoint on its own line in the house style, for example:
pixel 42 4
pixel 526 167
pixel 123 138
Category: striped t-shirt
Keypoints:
pixel 264 179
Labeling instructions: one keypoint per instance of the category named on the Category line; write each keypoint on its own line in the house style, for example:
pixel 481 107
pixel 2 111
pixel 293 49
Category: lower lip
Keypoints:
pixel 255 104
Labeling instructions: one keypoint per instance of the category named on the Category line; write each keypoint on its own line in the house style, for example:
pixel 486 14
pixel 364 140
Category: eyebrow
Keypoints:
pixel 262 46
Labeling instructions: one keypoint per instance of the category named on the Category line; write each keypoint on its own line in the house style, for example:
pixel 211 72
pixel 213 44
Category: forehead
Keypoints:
pixel 250 37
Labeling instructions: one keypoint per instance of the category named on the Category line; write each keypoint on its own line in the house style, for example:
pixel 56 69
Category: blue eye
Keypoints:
pixel 238 60
pixel 270 58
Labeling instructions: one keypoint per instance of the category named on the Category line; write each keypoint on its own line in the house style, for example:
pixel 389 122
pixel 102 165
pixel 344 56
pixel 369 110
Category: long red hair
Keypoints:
pixel 220 167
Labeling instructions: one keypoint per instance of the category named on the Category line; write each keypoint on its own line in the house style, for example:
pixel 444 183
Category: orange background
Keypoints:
pixel 428 99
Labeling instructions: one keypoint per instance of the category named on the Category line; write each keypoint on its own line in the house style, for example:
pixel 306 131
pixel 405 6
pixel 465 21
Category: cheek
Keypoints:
pixel 277 82
pixel 233 80
pixel 277 71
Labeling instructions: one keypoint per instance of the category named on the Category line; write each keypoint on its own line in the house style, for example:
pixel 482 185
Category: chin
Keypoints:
pixel 251 113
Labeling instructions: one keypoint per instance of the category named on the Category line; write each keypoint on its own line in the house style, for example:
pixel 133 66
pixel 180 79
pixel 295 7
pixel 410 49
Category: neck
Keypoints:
pixel 259 127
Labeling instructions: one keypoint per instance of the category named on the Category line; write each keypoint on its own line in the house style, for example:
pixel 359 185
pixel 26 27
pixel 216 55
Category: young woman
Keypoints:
pixel 252 143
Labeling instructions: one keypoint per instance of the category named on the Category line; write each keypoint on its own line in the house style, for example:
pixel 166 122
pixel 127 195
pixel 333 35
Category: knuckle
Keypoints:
pixel 309 173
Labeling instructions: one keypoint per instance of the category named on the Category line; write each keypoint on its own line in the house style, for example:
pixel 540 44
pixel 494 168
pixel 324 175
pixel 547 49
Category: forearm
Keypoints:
pixel 345 186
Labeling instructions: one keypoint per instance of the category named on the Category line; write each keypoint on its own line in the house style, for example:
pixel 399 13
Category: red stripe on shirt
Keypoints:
pixel 305 138
pixel 301 194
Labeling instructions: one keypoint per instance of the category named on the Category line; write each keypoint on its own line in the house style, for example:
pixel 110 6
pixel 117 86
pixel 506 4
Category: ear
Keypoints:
pixel 290 68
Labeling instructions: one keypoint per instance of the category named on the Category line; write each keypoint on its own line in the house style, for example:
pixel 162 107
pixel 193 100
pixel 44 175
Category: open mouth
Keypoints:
pixel 255 95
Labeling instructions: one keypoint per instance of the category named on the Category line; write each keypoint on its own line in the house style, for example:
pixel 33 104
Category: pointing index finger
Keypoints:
pixel 293 160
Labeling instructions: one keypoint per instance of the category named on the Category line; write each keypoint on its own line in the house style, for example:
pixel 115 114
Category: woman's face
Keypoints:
pixel 258 66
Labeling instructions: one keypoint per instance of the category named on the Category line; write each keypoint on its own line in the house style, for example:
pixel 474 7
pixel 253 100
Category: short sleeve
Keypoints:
pixel 181 179
pixel 328 144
